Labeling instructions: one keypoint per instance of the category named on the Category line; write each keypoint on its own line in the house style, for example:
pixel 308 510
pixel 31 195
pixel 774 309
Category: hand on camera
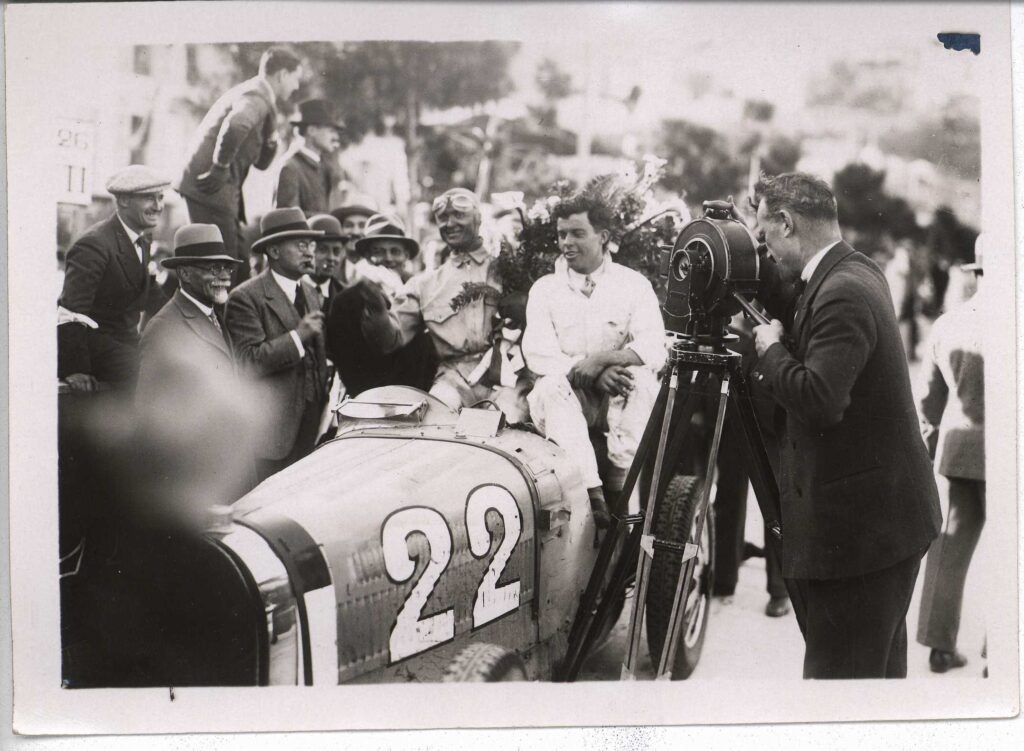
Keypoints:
pixel 766 335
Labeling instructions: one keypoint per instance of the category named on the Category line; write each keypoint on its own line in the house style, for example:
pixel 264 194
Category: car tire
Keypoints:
pixel 486 663
pixel 674 519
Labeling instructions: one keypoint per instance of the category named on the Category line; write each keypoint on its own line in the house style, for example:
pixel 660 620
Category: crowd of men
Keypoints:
pixel 334 304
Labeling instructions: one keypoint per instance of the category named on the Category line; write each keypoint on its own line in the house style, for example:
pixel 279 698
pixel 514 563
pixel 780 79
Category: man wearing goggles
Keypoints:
pixel 463 338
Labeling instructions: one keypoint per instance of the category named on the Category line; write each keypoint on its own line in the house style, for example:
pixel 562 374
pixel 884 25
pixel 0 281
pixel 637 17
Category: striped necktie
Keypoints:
pixel 588 285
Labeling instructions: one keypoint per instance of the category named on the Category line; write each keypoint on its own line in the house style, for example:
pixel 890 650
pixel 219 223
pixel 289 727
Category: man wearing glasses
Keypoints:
pixel 187 387
pixel 277 334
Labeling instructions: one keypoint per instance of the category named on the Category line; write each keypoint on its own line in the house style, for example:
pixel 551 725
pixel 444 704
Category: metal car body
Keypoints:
pixel 407 537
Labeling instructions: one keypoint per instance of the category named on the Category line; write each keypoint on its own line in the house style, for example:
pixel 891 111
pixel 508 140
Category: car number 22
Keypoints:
pixel 412 634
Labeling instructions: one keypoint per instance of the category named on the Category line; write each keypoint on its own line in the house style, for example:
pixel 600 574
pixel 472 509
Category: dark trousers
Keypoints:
pixel 305 441
pixel 230 230
pixel 856 627
pixel 948 560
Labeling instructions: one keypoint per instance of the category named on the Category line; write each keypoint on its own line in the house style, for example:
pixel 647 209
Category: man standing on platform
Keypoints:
pixel 237 133
pixel 306 179
pixel 106 284
pixel 277 333
pixel 859 504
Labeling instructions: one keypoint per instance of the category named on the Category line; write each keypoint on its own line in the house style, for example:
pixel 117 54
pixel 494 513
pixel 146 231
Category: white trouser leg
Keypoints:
pixel 558 414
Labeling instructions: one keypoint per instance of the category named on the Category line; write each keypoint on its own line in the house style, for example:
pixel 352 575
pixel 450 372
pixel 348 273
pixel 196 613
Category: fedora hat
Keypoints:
pixel 329 225
pixel 317 112
pixel 385 227
pixel 360 206
pixel 283 224
pixel 195 243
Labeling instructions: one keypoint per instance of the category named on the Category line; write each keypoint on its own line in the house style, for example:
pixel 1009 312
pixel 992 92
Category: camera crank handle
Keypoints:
pixel 749 309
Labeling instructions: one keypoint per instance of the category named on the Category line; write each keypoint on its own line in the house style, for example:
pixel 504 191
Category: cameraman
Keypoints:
pixel 859 503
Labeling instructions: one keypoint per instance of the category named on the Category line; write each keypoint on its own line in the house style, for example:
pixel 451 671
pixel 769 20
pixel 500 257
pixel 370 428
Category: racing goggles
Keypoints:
pixel 462 201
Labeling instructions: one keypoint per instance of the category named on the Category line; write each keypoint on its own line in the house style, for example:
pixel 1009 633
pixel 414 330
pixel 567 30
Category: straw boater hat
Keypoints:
pixel 317 112
pixel 385 227
pixel 283 224
pixel 136 180
pixel 195 243
pixel 329 225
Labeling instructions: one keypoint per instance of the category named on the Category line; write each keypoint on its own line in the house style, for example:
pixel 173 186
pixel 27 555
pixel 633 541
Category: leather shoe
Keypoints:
pixel 940 660
pixel 777 607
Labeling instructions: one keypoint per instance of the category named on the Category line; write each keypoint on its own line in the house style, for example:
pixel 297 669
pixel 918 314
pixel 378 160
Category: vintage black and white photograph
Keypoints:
pixel 632 355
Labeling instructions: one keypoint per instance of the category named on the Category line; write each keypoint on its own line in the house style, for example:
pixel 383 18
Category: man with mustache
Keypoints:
pixel 277 334
pixel 106 285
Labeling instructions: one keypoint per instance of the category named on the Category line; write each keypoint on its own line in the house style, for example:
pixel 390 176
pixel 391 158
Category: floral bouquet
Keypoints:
pixel 641 225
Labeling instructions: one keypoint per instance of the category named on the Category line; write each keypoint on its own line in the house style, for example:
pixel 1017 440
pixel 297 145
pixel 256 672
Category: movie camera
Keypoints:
pixel 713 271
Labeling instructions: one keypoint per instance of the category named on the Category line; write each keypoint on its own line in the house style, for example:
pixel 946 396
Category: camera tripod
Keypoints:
pixel 697 363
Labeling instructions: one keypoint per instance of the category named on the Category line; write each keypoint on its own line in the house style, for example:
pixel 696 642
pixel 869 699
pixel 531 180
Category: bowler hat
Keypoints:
pixel 283 224
pixel 137 179
pixel 195 243
pixel 329 225
pixel 385 227
pixel 317 112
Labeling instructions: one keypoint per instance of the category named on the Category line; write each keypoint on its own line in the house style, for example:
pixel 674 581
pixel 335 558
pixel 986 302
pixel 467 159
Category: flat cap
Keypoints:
pixel 137 179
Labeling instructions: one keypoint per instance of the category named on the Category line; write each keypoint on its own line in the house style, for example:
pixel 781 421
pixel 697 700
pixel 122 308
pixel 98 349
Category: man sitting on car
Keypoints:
pixel 596 340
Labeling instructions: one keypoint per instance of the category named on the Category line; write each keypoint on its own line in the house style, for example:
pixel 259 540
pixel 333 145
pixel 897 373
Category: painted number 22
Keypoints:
pixel 411 633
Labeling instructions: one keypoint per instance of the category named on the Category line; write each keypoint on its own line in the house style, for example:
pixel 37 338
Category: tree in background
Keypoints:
pixel 700 167
pixel 874 216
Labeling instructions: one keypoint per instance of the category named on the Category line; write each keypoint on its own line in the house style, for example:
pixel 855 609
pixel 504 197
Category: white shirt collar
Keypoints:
pixel 310 154
pixel 205 309
pixel 290 286
pixel 578 280
pixel 132 234
pixel 325 288
pixel 812 264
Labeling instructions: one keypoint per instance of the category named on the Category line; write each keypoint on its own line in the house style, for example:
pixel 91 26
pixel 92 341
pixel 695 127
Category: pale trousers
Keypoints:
pixel 452 388
pixel 565 414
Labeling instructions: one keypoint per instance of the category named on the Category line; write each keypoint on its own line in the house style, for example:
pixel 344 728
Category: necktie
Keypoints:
pixel 143 245
pixel 588 285
pixel 216 323
pixel 300 301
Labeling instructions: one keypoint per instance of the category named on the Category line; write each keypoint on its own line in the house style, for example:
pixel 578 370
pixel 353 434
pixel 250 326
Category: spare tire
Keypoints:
pixel 485 663
pixel 674 520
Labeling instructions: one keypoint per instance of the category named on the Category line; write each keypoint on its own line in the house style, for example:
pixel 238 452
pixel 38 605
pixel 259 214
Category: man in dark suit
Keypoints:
pixel 237 133
pixel 330 253
pixel 952 410
pixel 306 179
pixel 276 328
pixel 859 503
pixel 187 384
pixel 106 285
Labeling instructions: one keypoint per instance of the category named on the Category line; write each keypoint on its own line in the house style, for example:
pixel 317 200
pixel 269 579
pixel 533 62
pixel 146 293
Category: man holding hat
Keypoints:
pixel 277 333
pixel 353 217
pixel 236 134
pixel 306 178
pixel 361 338
pixel 106 284
pixel 952 411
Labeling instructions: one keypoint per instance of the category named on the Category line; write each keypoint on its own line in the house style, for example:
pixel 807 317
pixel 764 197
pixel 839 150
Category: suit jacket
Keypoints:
pixel 259 317
pixel 191 403
pixel 953 405
pixel 857 490
pixel 238 130
pixel 305 184
pixel 105 281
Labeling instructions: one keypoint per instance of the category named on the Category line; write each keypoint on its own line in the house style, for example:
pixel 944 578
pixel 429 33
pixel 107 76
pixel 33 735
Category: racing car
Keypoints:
pixel 418 544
